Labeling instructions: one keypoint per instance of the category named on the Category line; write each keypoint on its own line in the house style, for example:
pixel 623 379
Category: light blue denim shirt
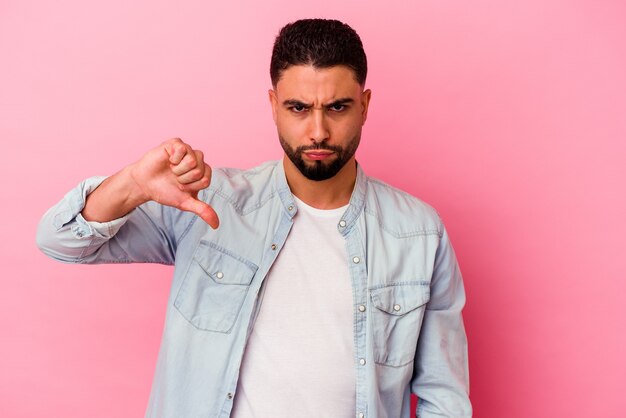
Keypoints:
pixel 407 290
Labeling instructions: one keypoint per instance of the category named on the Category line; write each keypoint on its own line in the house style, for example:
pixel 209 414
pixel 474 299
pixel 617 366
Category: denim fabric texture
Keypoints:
pixel 406 285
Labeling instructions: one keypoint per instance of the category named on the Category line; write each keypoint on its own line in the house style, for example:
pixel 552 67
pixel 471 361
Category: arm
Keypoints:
pixel 441 377
pixel 86 226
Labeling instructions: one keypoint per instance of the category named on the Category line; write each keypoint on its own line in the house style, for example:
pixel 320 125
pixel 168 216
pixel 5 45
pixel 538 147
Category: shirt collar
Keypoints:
pixel 357 199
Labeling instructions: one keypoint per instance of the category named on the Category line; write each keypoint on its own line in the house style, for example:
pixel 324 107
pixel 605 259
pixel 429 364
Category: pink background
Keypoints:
pixel 507 116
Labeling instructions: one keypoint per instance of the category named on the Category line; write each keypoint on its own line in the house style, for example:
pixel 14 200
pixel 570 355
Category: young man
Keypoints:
pixel 322 293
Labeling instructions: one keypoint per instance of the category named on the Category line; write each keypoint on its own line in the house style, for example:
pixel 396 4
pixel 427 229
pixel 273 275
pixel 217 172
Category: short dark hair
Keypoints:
pixel 322 43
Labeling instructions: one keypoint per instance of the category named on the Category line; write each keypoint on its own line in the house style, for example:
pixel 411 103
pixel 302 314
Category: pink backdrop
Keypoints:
pixel 507 116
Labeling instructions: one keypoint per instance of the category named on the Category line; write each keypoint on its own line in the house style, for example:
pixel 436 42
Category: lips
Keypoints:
pixel 318 155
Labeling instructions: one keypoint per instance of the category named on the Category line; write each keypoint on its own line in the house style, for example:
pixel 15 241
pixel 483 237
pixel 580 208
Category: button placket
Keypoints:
pixel 358 272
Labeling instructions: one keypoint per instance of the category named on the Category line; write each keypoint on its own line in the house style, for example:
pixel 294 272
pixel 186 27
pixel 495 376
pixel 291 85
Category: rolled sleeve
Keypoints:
pixel 70 208
pixel 65 235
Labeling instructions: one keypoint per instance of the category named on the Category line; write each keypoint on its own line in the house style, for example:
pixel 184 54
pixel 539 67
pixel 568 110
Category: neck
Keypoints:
pixel 332 193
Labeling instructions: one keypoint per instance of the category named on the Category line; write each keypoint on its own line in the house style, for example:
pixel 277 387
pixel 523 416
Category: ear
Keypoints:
pixel 365 103
pixel 274 102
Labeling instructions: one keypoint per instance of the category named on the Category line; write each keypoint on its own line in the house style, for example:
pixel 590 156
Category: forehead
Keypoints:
pixel 312 84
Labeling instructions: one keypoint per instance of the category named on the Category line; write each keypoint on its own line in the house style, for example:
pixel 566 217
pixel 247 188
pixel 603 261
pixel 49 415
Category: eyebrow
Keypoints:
pixel 294 102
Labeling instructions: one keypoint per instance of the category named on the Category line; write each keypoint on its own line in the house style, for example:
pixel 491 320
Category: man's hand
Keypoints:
pixel 172 174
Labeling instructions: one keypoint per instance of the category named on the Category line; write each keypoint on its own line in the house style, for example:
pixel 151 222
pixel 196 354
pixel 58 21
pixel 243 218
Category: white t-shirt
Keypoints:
pixel 299 360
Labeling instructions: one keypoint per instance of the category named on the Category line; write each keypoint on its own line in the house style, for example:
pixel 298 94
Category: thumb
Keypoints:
pixel 206 212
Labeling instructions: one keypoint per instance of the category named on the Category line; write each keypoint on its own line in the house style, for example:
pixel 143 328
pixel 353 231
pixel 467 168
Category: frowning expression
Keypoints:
pixel 319 114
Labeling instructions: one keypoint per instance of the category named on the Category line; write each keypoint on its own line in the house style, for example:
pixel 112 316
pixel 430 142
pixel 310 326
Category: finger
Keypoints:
pixel 189 162
pixel 191 176
pixel 176 149
pixel 201 209
pixel 200 175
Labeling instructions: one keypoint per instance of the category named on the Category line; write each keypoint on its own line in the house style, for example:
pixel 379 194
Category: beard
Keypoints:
pixel 321 170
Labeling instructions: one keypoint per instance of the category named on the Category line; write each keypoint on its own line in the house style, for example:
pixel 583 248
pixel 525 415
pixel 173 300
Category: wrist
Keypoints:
pixel 135 194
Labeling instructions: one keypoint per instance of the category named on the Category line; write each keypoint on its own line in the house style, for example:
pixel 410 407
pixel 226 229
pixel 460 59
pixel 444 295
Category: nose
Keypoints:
pixel 319 128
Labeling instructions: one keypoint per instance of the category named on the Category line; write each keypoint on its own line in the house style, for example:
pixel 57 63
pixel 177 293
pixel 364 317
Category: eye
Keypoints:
pixel 337 107
pixel 297 108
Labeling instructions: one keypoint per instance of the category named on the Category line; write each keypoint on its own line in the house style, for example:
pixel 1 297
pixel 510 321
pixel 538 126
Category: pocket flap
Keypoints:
pixel 224 266
pixel 398 299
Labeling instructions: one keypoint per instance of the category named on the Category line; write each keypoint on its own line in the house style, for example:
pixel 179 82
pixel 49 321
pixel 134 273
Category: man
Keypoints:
pixel 322 293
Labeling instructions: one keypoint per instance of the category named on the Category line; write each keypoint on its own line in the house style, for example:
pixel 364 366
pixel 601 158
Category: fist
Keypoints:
pixel 172 174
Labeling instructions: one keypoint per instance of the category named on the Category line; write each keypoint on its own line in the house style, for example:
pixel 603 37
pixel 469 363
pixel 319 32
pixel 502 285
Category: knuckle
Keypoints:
pixel 176 148
pixel 196 174
pixel 190 162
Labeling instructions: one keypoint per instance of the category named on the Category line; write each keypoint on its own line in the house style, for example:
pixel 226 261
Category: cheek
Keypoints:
pixel 290 127
pixel 345 129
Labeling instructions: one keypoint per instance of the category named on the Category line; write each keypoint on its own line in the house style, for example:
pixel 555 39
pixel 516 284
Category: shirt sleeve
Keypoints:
pixel 147 234
pixel 441 376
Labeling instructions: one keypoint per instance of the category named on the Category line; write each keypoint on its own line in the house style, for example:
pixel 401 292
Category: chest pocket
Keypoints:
pixel 396 321
pixel 214 288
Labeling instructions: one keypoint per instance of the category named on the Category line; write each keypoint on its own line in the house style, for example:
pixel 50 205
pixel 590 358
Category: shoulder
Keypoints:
pixel 399 212
pixel 245 190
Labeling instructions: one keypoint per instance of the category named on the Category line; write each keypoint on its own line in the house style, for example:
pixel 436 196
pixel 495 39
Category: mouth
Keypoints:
pixel 318 155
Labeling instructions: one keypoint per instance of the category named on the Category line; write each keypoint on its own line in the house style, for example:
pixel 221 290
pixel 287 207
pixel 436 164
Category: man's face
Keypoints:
pixel 319 114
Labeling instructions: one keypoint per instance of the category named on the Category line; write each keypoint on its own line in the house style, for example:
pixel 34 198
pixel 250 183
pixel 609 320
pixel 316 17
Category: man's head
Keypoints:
pixel 318 71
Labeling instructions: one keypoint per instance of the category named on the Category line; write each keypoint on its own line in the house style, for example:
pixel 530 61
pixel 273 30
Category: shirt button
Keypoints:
pixel 342 224
pixel 362 362
pixel 361 308
pixel 356 260
pixel 290 208
pixel 219 275
pixel 396 307
pixel 273 247
pixel 229 395
pixel 79 234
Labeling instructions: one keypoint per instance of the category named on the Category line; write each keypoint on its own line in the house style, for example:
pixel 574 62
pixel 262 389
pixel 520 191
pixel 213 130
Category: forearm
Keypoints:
pixel 147 234
pixel 117 196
